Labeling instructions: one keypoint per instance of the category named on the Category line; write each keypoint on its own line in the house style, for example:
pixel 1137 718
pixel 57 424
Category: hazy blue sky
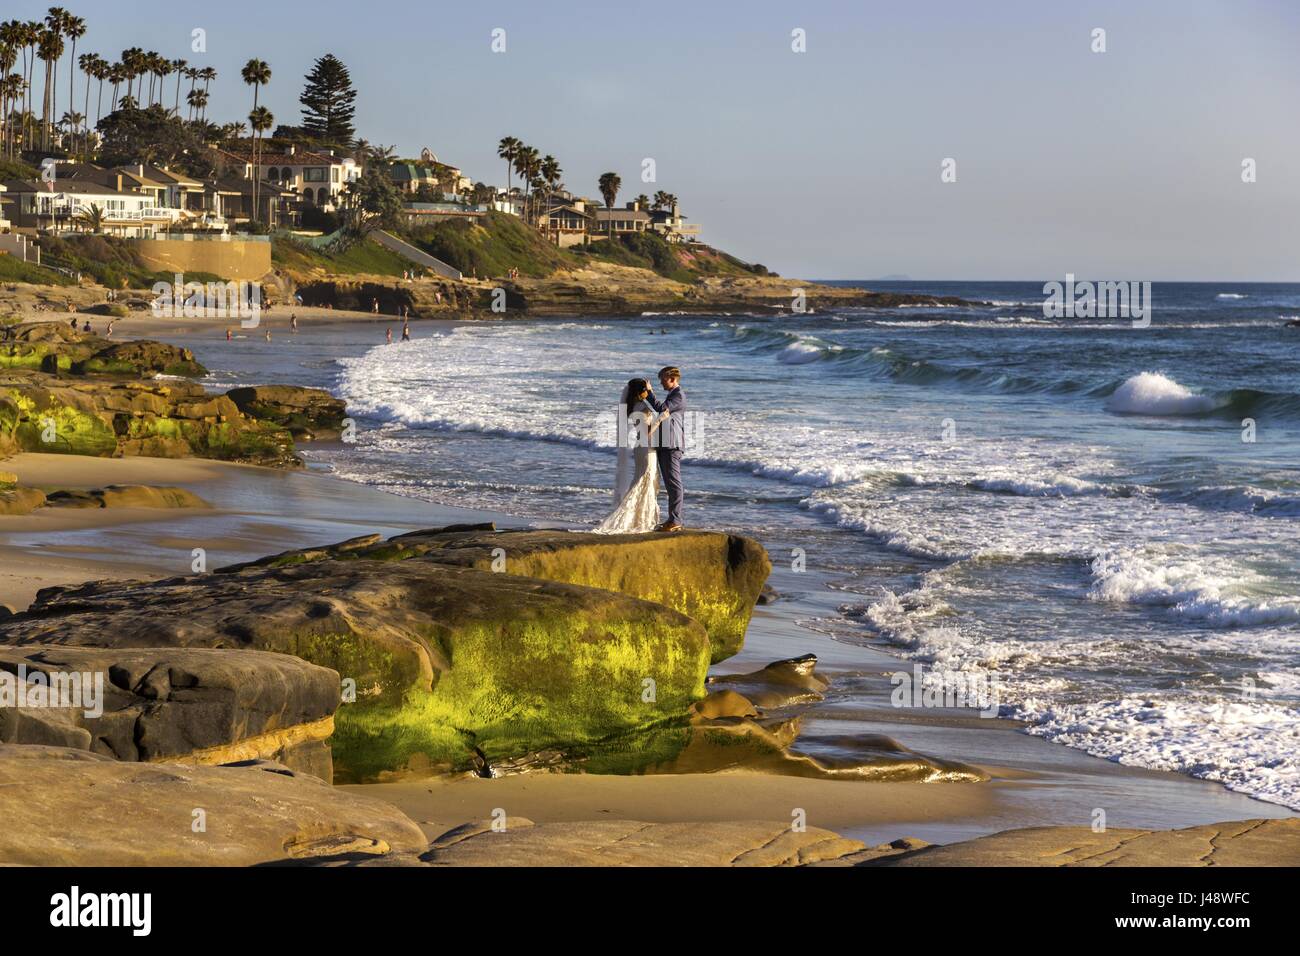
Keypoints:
pixel 826 164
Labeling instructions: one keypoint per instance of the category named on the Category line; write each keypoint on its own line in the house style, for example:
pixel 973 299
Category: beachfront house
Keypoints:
pixel 512 203
pixel 228 201
pixel 64 206
pixel 566 222
pixel 673 226
pixel 430 177
pixel 617 222
pixel 314 178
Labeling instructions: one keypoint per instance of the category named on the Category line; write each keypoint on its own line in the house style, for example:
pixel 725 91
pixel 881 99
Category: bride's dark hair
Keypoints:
pixel 635 386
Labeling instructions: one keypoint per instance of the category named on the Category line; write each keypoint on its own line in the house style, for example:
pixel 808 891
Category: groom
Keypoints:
pixel 672 439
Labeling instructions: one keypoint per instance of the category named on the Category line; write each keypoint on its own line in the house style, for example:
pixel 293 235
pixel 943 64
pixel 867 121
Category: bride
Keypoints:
pixel 636 484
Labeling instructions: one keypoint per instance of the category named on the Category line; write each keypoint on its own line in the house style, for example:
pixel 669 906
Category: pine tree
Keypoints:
pixel 328 102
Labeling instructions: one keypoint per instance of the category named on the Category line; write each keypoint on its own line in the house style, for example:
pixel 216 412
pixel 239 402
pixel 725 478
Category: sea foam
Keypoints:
pixel 1151 393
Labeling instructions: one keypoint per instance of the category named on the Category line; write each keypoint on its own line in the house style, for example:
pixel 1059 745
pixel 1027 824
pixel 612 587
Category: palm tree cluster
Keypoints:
pixel 136 79
pixel 539 174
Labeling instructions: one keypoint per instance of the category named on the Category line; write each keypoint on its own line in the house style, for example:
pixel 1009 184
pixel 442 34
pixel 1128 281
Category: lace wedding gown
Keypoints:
pixel 636 484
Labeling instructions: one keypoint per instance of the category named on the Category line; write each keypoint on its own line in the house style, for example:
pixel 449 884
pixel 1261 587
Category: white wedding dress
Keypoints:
pixel 636 483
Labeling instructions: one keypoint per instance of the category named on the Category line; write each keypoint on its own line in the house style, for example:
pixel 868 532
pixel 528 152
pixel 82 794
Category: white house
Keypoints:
pixel 317 178
pixel 57 207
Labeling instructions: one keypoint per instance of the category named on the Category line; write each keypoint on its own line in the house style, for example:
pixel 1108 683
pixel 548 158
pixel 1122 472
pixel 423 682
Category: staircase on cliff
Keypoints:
pixel 418 256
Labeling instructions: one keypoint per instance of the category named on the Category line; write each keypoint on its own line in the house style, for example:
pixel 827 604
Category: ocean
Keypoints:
pixel 1101 519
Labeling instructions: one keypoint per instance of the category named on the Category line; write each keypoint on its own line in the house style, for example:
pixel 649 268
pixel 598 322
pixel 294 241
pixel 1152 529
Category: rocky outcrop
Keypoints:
pixel 423 298
pixel 108 417
pixel 70 392
pixel 126 496
pixel 171 704
pixel 450 665
pixel 140 359
pixel 1237 843
pixel 66 807
pixel 779 684
pixel 711 577
pixel 310 414
pixel 453 665
pixel 603 288
pixel 57 346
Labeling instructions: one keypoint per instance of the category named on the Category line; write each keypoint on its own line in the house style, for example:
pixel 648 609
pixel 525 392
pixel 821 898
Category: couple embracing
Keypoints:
pixel 652 435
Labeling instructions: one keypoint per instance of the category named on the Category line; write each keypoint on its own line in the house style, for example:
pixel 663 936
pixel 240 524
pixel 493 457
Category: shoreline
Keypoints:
pixel 1033 782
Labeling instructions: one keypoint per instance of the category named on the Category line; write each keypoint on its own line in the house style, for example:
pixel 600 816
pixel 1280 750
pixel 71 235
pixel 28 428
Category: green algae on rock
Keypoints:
pixel 712 577
pixel 443 666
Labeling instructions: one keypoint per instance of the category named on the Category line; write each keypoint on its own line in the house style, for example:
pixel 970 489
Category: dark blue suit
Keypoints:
pixel 672 440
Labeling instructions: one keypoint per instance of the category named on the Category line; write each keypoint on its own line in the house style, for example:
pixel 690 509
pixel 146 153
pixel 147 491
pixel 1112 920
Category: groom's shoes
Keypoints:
pixel 669 526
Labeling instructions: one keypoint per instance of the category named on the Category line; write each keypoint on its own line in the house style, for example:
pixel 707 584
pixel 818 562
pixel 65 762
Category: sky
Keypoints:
pixel 1123 164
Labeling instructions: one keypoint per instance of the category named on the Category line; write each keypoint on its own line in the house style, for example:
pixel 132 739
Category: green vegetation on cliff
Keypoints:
pixel 360 257
pixel 497 243
pixel 13 269
pixel 491 246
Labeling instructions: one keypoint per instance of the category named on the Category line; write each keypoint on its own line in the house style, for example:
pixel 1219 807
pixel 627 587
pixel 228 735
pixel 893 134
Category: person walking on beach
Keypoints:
pixel 293 322
pixel 672 441
pixel 406 330
pixel 388 336
pixel 374 306
pixel 228 335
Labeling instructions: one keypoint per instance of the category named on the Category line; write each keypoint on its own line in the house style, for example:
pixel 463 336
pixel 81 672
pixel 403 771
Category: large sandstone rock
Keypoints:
pixel 56 346
pixel 308 413
pixel 110 417
pixel 140 359
pixel 1238 843
pixel 64 807
pixel 452 666
pixel 710 576
pixel 166 704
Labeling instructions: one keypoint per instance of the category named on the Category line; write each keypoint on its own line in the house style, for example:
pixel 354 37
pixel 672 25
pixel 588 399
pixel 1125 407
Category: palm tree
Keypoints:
pixel 32 31
pixel 642 201
pixel 527 162
pixel 91 218
pixel 51 48
pixel 161 67
pixel 55 21
pixel 74 28
pixel 11 90
pixel 256 73
pixel 260 120
pixel 179 68
pixel 117 75
pixel 198 100
pixel 10 37
pixel 609 185
pixel 231 131
pixel 71 122
pixel 103 70
pixel 508 149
